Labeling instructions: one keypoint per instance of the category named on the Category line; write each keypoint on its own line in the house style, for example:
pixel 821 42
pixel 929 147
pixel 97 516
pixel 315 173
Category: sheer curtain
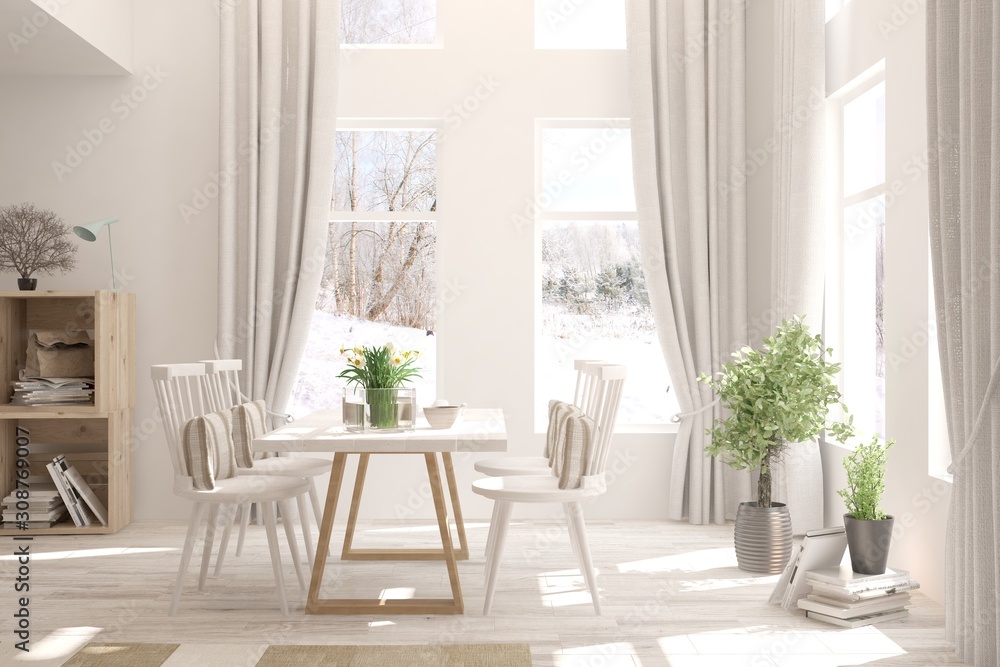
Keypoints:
pixel 279 87
pixel 797 232
pixel 686 61
pixel 963 111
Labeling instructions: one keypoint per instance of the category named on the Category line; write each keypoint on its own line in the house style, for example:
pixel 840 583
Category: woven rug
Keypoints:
pixel 464 655
pixel 121 655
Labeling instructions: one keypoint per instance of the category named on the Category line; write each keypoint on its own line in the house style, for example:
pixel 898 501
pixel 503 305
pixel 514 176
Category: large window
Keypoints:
pixel 594 303
pixel 579 24
pixel 379 279
pixel 857 266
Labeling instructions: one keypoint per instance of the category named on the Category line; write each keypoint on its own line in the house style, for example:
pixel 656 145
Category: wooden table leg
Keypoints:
pixel 456 506
pixel 325 532
pixel 453 605
pixel 352 517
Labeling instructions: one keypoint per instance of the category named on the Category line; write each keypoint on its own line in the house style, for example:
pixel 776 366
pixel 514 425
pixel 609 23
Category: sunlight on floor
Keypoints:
pixel 60 643
pixel 91 553
pixel 692 561
pixel 397 593
pixel 380 624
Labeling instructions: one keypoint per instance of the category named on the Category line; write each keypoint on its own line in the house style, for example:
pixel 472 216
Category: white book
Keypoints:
pixel 859 621
pixel 93 502
pixel 865 594
pixel 860 606
pixel 844 576
pixel 74 504
pixel 820 548
pixel 886 605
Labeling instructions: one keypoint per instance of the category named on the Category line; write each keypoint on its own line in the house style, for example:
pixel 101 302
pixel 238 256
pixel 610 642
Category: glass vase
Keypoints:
pixel 385 409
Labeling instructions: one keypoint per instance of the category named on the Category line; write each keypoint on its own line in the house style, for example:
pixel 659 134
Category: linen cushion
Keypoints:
pixel 558 412
pixel 208 449
pixel 579 434
pixel 249 422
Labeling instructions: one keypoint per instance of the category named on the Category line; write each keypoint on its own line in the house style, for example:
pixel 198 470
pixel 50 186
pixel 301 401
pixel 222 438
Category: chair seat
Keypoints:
pixel 289 466
pixel 513 465
pixel 248 488
pixel 529 489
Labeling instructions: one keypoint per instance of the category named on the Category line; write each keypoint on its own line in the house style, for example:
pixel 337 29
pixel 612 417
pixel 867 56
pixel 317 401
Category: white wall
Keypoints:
pixel 141 170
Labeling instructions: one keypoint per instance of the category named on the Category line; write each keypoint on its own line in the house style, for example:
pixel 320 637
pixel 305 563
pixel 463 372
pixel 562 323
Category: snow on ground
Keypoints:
pixel 646 399
pixel 318 387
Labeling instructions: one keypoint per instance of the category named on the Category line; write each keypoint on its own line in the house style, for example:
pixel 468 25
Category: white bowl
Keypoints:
pixel 442 416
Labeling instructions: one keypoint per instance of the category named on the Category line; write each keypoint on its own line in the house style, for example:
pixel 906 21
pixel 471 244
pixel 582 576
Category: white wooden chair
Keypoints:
pixel 539 465
pixel 603 390
pixel 181 392
pixel 224 392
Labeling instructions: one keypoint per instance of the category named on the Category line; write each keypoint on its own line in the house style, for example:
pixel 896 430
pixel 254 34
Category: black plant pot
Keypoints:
pixel 868 542
pixel 27 284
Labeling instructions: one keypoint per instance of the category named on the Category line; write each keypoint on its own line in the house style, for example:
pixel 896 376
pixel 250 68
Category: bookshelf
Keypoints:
pixel 95 438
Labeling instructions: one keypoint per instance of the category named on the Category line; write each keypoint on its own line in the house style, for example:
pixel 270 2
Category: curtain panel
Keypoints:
pixel 963 114
pixel 687 90
pixel 278 126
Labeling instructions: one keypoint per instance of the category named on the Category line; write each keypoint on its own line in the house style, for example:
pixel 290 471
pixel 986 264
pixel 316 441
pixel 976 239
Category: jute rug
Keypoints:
pixel 446 655
pixel 121 655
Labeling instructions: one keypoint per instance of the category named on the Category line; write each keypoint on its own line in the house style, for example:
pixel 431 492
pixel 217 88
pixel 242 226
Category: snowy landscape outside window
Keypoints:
pixel 388 22
pixel 594 303
pixel 379 278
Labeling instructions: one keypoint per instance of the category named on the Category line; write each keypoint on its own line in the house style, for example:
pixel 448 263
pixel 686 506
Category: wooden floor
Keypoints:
pixel 671 592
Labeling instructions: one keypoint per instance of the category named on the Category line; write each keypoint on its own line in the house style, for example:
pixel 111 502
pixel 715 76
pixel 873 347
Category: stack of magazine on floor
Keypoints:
pixel 80 499
pixel 44 507
pixel 52 391
pixel 851 600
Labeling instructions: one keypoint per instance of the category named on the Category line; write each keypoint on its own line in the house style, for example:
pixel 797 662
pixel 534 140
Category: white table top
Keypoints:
pixel 480 430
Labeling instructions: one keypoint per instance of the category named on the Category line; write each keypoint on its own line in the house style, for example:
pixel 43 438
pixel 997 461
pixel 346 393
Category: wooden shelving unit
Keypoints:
pixel 96 439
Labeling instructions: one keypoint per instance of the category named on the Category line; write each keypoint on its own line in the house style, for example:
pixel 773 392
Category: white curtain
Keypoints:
pixel 797 231
pixel 686 60
pixel 963 109
pixel 279 86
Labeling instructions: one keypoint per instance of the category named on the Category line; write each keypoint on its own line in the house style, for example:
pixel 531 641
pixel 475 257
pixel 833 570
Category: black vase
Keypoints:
pixel 868 542
pixel 27 284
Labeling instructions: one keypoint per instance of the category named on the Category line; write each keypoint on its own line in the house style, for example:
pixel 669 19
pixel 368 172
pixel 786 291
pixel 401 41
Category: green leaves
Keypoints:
pixel 777 394
pixel 865 468
pixel 379 367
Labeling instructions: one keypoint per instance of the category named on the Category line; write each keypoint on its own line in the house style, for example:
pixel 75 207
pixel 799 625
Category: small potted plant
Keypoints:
pixel 378 399
pixel 775 396
pixel 32 241
pixel 869 529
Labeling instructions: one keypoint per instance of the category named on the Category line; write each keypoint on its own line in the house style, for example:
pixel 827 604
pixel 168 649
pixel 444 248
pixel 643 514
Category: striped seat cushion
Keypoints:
pixel 249 422
pixel 558 412
pixel 208 449
pixel 579 436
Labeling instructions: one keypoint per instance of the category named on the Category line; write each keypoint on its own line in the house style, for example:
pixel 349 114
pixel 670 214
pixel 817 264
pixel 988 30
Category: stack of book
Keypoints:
pixel 851 600
pixel 44 507
pixel 81 501
pixel 53 391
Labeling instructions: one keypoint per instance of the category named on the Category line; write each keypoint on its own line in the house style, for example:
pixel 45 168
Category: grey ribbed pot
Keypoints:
pixel 868 542
pixel 763 537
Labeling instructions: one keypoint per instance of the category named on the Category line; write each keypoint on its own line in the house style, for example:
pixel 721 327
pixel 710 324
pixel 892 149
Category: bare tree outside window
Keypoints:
pixel 379 278
pixel 388 21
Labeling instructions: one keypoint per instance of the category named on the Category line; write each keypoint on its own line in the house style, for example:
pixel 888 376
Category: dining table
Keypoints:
pixel 478 430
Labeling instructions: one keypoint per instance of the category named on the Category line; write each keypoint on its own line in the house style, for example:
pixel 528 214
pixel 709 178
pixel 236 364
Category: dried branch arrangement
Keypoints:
pixel 33 240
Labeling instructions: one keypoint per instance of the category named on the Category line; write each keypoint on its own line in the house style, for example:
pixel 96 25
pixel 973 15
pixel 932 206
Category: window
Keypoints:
pixel 379 280
pixel 579 24
pixel 594 303
pixel 388 22
pixel 859 271
pixel 834 6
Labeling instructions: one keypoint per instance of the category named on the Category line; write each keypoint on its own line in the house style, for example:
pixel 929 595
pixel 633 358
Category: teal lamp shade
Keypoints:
pixel 90 232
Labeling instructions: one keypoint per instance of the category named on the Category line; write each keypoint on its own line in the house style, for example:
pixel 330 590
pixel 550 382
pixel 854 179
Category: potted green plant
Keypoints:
pixel 775 396
pixel 869 529
pixel 378 374
pixel 32 241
